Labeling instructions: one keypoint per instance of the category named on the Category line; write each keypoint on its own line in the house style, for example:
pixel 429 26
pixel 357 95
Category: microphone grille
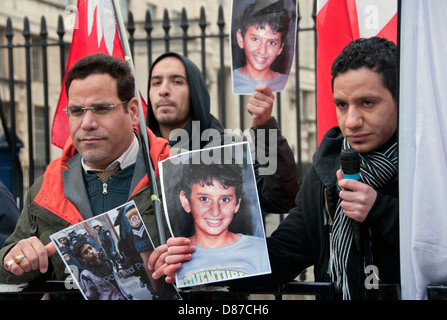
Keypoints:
pixel 350 161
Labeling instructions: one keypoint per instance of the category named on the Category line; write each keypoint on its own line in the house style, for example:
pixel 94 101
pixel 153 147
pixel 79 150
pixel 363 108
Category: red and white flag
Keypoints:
pixel 422 147
pixel 338 23
pixel 95 31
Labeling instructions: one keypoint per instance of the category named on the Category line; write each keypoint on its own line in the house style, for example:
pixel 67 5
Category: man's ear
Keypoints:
pixel 240 39
pixel 134 111
pixel 185 202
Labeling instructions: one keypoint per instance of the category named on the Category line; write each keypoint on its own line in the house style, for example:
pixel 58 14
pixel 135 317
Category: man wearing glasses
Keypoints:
pixel 102 167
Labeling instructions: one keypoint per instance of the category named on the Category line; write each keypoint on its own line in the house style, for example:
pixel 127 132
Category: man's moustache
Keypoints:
pixel 165 102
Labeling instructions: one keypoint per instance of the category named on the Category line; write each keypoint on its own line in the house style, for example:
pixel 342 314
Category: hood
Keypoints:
pixel 198 92
pixel 327 157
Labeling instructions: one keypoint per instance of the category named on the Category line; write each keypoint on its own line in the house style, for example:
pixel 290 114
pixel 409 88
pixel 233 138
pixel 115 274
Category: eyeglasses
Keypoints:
pixel 99 109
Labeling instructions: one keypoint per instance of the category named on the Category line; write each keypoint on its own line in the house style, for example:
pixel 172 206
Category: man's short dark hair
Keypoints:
pixel 377 54
pixel 229 175
pixel 275 15
pixel 104 64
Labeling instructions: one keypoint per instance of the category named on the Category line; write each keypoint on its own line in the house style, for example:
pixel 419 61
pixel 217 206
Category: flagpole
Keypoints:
pixel 142 123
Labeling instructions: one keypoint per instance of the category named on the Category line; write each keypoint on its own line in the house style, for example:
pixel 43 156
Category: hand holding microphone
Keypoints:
pixel 357 197
pixel 350 166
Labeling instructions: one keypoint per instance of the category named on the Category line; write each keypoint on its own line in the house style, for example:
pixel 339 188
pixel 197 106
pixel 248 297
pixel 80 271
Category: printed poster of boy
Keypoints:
pixel 106 257
pixel 262 40
pixel 210 197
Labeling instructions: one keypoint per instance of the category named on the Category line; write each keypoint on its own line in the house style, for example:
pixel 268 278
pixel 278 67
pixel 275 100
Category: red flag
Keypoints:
pixel 95 32
pixel 338 23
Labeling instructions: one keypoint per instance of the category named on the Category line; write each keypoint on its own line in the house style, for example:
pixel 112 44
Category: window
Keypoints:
pixel 307 104
pixel 3 69
pixel 125 5
pixel 151 9
pixel 66 2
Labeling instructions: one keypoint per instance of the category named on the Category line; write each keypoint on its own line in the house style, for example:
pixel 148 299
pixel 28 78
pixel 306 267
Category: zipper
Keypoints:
pixel 326 206
pixel 330 224
pixel 139 191
pixel 104 189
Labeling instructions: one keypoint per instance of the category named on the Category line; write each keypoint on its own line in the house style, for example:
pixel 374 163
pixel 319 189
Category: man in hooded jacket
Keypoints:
pixel 179 110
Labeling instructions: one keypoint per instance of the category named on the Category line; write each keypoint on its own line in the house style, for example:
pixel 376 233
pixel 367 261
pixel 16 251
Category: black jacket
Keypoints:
pixel 277 191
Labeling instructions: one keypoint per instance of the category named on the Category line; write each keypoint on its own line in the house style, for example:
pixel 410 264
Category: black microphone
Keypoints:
pixel 350 163
pixel 350 166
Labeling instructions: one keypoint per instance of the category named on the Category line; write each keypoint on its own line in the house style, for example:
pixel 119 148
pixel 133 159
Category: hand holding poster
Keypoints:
pixel 210 197
pixel 107 257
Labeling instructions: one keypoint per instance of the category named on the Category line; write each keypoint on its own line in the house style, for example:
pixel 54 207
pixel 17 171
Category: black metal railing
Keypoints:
pixel 313 290
pixel 295 289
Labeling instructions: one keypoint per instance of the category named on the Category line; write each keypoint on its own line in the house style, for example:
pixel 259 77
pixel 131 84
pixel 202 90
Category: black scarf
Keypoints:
pixel 377 169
